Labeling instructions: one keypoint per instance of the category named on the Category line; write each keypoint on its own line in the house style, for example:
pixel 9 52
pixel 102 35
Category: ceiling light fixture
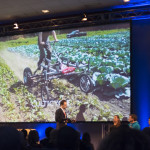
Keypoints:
pixel 84 18
pixel 126 1
pixel 45 11
pixel 16 26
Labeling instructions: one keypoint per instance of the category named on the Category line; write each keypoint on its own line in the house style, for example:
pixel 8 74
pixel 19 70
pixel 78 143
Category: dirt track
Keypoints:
pixel 17 62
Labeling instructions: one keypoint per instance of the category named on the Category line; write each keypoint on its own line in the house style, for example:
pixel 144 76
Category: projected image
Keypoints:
pixel 88 67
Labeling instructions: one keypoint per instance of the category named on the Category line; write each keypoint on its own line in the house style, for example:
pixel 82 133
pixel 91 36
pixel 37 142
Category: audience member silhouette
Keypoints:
pixel 45 141
pixel 33 139
pixel 125 138
pixel 86 142
pixel 146 131
pixel 24 133
pixel 53 139
pixel 25 136
pixel 68 139
pixel 9 139
pixel 23 141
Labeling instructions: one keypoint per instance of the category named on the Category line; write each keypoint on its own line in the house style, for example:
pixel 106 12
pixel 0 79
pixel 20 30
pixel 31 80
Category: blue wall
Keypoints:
pixel 140 69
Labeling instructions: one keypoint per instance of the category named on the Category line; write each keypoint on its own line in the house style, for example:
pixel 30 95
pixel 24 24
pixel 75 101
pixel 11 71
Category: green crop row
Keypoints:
pixel 17 102
pixel 109 55
pixel 21 40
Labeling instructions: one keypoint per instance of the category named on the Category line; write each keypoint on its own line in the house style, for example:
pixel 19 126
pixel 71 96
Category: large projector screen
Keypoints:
pixel 89 68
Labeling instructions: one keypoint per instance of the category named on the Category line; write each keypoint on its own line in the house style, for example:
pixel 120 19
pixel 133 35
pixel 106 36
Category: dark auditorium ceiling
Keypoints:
pixel 19 9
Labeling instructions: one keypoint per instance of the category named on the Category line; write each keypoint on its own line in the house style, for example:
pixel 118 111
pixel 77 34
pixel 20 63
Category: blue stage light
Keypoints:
pixel 41 128
pixel 133 4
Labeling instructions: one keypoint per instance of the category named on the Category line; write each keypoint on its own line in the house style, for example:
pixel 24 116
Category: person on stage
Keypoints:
pixel 116 123
pixel 61 116
pixel 133 123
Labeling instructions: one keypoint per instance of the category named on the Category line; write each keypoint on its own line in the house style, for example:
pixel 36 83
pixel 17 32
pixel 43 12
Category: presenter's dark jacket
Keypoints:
pixel 60 118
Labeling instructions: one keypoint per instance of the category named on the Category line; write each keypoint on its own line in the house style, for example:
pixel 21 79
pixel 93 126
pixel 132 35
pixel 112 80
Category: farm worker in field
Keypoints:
pixel 44 44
